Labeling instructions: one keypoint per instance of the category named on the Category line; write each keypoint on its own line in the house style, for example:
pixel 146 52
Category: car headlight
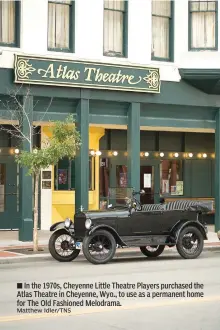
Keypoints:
pixel 88 223
pixel 67 223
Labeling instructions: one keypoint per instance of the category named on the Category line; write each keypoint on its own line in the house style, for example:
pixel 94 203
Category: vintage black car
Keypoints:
pixel 151 227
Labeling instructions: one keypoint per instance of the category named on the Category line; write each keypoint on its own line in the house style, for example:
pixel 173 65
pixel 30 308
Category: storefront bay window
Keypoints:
pixel 171 177
pixel 64 174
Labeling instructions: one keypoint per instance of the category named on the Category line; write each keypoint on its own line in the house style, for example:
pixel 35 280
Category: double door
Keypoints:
pixel 149 178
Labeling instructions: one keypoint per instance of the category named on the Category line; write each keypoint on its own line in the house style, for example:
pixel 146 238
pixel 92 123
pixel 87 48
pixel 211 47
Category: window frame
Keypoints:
pixel 15 44
pixel 92 183
pixel 190 48
pixel 182 175
pixel 171 37
pixel 71 48
pixel 125 31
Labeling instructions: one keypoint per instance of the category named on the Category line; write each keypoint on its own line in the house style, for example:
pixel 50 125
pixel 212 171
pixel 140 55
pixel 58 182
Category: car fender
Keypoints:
pixel 182 224
pixel 118 239
pixel 60 225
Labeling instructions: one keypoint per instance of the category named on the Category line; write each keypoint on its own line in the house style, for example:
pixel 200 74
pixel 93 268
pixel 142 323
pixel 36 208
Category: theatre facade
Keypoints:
pixel 137 131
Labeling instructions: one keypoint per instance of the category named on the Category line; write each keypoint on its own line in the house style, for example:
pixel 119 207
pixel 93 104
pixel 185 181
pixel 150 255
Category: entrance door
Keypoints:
pixel 9 194
pixel 150 182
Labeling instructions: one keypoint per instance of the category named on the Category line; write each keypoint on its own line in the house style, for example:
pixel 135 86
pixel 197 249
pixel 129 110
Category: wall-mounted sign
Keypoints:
pixel 46 184
pixel 46 175
pixel 46 71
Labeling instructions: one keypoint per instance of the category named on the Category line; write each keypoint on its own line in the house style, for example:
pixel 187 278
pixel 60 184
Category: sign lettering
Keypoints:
pixel 43 71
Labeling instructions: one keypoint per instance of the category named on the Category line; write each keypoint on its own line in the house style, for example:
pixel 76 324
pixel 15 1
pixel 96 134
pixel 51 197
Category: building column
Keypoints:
pixel 26 187
pixel 217 172
pixel 133 146
pixel 82 157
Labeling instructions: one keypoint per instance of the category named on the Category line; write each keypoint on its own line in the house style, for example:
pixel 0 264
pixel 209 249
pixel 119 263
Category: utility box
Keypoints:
pixel 26 230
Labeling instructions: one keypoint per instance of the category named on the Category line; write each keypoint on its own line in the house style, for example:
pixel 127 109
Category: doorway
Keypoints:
pixel 149 178
pixel 9 194
pixel 150 182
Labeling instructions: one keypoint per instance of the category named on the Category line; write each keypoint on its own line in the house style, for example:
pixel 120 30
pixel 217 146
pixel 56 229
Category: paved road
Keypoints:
pixel 152 307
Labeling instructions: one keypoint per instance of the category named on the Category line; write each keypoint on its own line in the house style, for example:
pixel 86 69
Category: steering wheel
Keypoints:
pixel 138 205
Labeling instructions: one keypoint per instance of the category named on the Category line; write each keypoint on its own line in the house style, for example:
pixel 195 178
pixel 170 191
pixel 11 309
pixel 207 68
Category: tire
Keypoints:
pixel 53 251
pixel 152 254
pixel 180 244
pixel 106 237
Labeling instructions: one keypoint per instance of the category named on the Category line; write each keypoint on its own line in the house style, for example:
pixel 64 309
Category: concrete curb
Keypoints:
pixel 47 257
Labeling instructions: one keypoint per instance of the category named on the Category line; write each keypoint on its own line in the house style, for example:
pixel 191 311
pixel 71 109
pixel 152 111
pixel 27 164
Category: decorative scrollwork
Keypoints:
pixel 153 79
pixel 24 69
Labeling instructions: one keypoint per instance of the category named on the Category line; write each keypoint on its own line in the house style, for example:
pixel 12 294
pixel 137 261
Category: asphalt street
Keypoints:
pixel 167 292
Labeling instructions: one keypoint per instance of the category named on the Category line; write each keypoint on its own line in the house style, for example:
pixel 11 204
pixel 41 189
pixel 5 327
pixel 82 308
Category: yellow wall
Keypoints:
pixel 63 202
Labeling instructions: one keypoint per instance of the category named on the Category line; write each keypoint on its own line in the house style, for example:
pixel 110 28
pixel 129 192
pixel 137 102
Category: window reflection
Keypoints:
pixel 65 174
pixel 171 177
pixel 121 176
pixel 103 182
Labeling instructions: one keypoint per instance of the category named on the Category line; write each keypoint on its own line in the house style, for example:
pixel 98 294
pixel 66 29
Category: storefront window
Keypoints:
pixel 121 175
pixel 65 174
pixel 171 177
pixel 104 177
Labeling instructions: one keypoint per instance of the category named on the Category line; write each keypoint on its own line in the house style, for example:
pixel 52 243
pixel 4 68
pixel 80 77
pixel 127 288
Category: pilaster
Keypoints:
pixel 82 157
pixel 217 172
pixel 26 186
pixel 133 146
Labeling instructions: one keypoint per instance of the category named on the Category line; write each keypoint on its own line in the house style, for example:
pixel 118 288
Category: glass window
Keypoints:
pixel 65 174
pixel 8 16
pixel 114 27
pixel 171 177
pixel 121 176
pixel 2 187
pixel 60 17
pixel 203 24
pixel 104 175
pixel 161 29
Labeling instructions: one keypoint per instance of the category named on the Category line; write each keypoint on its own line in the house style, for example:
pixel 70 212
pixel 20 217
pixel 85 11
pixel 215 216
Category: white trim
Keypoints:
pixel 46 204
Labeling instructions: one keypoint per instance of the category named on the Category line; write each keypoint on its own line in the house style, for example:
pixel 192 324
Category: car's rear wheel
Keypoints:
pixel 190 243
pixel 152 251
pixel 100 247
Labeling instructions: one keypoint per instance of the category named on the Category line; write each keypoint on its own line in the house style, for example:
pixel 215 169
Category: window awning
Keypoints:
pixel 206 80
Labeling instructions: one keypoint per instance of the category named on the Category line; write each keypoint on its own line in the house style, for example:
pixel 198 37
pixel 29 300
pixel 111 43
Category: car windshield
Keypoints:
pixel 118 197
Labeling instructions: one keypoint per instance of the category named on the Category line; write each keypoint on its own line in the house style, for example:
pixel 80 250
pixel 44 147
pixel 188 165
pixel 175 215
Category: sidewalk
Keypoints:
pixel 14 251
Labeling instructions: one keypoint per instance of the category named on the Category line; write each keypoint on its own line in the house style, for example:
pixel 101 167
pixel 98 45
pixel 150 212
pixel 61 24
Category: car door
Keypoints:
pixel 144 223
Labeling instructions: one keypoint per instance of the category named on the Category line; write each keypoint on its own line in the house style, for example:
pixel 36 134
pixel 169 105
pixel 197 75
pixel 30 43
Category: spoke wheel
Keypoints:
pixel 61 246
pixel 190 243
pixel 99 248
pixel 152 251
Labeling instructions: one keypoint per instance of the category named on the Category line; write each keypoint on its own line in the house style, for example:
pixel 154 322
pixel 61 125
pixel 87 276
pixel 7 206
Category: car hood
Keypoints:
pixel 109 213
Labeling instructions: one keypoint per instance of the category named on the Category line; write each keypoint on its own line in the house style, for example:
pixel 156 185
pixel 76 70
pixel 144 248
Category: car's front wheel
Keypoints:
pixel 152 251
pixel 100 247
pixel 60 246
pixel 190 243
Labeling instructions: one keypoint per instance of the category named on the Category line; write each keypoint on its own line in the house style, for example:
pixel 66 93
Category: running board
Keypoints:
pixel 146 240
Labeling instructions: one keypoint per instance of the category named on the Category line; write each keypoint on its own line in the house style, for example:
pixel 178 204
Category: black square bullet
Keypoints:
pixel 19 285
